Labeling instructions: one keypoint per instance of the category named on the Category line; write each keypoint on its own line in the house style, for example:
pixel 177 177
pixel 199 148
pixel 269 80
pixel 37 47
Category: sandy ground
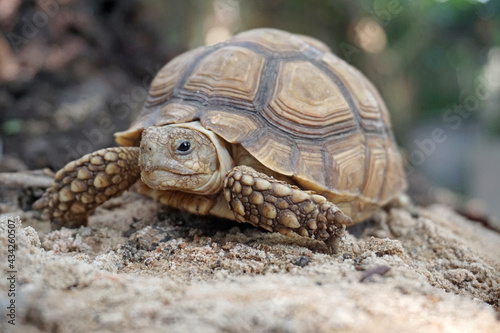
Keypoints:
pixel 138 265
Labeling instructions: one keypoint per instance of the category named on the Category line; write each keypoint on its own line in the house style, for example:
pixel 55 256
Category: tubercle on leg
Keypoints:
pixel 277 206
pixel 82 185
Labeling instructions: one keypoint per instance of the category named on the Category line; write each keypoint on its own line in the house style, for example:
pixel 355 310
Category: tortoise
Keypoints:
pixel 268 128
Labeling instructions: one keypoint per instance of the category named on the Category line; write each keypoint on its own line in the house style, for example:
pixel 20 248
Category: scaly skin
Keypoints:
pixel 84 184
pixel 274 205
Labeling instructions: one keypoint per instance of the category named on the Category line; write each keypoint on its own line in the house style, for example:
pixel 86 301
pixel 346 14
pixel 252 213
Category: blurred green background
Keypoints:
pixel 70 67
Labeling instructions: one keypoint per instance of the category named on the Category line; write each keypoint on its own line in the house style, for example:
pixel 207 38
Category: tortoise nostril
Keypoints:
pixel 148 147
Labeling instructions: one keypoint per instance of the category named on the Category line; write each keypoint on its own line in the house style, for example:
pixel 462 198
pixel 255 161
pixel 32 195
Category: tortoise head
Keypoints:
pixel 184 157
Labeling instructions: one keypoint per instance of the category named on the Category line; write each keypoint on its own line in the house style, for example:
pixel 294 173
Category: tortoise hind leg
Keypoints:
pixel 274 205
pixel 82 185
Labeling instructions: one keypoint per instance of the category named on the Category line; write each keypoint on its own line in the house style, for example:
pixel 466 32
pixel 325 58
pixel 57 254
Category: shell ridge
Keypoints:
pixel 295 156
pixel 267 81
pixel 253 46
pixel 384 178
pixel 368 153
pixel 253 140
pixel 328 174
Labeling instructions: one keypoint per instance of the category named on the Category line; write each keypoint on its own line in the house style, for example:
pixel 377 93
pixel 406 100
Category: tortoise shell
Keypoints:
pixel 293 105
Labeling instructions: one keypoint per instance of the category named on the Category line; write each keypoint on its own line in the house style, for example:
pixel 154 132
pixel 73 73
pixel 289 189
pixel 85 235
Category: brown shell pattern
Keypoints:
pixel 295 106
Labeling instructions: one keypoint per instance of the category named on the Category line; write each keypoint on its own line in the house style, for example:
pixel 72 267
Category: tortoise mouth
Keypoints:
pixel 160 179
pixel 165 180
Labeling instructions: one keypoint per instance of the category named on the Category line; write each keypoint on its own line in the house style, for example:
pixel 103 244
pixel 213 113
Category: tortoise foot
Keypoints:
pixel 277 206
pixel 82 185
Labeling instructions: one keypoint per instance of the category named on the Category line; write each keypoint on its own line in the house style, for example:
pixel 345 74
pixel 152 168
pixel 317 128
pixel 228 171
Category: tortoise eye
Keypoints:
pixel 184 147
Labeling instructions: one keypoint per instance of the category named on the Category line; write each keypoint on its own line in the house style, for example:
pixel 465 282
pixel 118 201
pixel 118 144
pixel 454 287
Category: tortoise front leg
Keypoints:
pixel 84 184
pixel 277 206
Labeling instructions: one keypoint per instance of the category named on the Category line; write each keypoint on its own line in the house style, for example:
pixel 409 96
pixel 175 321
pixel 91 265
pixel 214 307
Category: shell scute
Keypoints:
pixel 304 95
pixel 232 72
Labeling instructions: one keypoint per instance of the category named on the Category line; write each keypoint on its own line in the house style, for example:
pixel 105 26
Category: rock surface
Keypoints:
pixel 138 265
